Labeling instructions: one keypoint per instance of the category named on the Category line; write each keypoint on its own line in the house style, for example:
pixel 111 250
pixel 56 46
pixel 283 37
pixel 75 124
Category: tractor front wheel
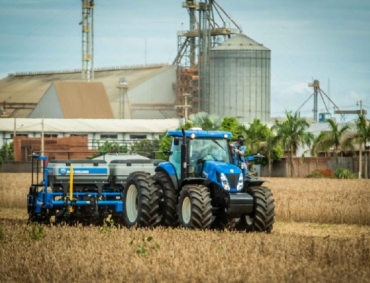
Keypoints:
pixel 140 200
pixel 194 208
pixel 263 215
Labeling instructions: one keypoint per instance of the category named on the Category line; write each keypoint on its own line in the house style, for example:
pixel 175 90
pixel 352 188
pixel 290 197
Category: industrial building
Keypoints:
pixel 217 70
pixel 148 93
pixel 240 79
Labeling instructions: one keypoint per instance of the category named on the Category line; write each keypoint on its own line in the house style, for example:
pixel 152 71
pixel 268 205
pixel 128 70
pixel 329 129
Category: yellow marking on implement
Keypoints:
pixel 71 187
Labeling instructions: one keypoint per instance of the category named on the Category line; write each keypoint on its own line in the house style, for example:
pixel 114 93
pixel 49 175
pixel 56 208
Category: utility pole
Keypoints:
pixel 185 106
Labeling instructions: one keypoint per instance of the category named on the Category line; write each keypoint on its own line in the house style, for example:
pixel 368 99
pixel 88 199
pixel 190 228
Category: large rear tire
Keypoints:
pixel 194 208
pixel 168 200
pixel 263 216
pixel 140 200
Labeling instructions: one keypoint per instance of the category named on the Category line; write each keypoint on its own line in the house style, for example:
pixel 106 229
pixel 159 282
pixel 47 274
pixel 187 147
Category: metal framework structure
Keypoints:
pixel 87 24
pixel 316 92
pixel 344 112
pixel 208 28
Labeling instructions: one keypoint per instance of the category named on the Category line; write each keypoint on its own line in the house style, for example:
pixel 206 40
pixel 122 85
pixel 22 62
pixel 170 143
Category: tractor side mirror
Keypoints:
pixel 176 141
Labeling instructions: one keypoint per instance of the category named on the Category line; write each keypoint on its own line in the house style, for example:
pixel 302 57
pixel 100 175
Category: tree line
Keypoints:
pixel 284 137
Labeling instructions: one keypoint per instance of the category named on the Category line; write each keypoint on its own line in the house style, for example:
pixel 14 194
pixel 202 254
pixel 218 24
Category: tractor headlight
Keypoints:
pixel 240 182
pixel 224 182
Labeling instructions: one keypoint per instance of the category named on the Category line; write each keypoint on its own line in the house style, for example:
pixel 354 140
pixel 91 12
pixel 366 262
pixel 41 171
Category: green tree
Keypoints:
pixel 272 149
pixel 363 132
pixel 360 136
pixel 232 125
pixel 110 147
pixel 331 139
pixel 293 133
pixel 165 143
pixel 6 152
pixel 205 121
pixel 255 135
pixel 146 147
pixel 260 139
pixel 316 147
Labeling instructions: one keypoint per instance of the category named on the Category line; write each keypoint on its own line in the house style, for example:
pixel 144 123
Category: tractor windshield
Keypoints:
pixel 209 149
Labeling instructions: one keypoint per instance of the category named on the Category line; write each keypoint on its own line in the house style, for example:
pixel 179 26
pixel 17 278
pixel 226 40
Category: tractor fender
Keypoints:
pixel 169 169
pixel 252 183
pixel 194 180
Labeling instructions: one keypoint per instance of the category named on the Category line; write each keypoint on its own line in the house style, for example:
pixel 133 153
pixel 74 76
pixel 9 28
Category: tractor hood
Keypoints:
pixel 226 175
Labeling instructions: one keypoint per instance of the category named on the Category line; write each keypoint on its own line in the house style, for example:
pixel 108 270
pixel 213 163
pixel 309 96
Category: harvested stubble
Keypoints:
pixel 334 201
pixel 293 252
pixel 77 254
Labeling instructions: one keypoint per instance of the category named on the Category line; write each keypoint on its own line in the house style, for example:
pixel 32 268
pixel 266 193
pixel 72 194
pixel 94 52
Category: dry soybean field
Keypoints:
pixel 321 234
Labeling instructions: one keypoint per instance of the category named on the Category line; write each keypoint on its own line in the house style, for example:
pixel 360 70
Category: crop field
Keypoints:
pixel 321 234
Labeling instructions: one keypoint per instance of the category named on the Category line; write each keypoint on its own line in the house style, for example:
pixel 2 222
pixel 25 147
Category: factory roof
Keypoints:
pixel 29 87
pixel 88 125
pixel 76 99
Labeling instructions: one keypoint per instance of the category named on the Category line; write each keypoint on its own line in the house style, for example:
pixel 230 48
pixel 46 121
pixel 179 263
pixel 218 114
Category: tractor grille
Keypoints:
pixel 233 179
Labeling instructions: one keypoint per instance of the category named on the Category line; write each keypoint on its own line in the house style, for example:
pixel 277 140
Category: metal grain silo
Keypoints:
pixel 239 83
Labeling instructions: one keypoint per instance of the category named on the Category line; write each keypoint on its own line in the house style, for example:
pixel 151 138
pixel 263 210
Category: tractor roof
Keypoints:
pixel 200 134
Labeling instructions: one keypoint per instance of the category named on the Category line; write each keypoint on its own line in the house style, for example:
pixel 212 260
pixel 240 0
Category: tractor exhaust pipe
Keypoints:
pixel 184 157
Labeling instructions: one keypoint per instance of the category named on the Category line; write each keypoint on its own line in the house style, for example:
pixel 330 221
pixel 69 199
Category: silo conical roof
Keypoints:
pixel 240 42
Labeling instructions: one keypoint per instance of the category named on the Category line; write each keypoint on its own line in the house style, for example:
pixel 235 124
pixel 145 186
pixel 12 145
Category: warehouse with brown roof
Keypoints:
pixel 150 93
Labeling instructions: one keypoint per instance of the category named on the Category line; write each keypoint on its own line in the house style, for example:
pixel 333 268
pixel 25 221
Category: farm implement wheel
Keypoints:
pixel 140 200
pixel 194 207
pixel 168 200
pixel 262 218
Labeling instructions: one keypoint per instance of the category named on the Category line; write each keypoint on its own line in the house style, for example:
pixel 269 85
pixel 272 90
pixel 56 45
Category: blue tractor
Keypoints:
pixel 201 188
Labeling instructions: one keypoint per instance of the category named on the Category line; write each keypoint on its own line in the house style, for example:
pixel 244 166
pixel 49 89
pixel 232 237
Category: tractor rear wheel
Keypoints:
pixel 168 200
pixel 194 207
pixel 263 215
pixel 140 200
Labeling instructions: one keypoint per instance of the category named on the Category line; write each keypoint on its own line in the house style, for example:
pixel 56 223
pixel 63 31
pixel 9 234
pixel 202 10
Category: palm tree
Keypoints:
pixel 272 150
pixel 317 146
pixel 361 136
pixel 363 128
pixel 205 121
pixel 332 139
pixel 293 133
pixel 255 134
pixel 260 139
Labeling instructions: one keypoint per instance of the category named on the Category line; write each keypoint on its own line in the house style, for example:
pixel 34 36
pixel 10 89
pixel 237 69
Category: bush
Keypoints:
pixel 326 173
pixel 342 173
pixel 315 174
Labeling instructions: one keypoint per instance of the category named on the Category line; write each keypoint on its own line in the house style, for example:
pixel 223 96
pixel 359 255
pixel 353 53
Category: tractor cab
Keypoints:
pixel 205 155
pixel 199 149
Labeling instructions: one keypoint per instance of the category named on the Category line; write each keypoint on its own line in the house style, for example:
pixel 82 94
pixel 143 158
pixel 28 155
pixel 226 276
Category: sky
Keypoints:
pixel 327 40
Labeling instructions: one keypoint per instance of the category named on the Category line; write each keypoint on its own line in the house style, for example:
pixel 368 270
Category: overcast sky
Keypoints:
pixel 327 40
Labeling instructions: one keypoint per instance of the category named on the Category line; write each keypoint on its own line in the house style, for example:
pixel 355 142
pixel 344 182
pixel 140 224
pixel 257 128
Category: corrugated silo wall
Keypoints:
pixel 240 84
